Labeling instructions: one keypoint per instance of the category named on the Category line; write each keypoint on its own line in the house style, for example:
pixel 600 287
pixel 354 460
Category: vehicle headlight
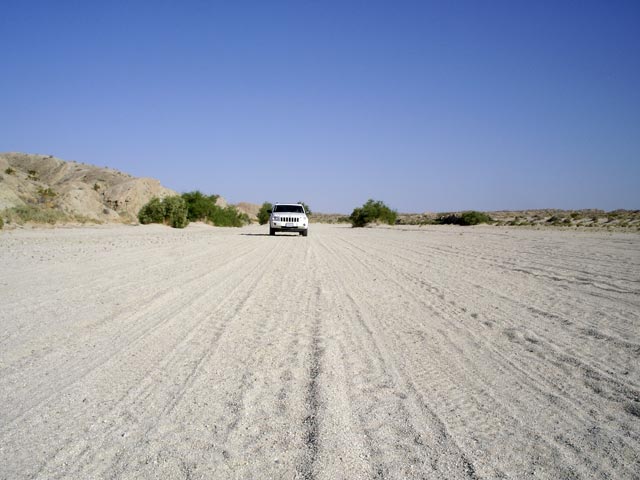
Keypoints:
pixel 276 219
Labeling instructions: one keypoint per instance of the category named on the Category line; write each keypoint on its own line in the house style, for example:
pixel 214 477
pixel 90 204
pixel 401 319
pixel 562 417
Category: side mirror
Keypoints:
pixel 269 211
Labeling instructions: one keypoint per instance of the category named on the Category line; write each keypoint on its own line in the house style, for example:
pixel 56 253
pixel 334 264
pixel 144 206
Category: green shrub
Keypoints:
pixel 228 217
pixel 475 218
pixel 33 175
pixel 152 212
pixel 170 211
pixel 203 208
pixel 471 217
pixel 1 223
pixel 9 171
pixel 358 218
pixel 373 210
pixel 263 213
pixel 175 212
pixel 178 211
pixel 200 207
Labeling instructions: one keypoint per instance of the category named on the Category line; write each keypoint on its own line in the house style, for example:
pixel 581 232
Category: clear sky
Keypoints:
pixel 428 106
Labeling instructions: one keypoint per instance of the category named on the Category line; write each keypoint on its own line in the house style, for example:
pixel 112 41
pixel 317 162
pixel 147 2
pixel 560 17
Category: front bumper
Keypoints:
pixel 282 227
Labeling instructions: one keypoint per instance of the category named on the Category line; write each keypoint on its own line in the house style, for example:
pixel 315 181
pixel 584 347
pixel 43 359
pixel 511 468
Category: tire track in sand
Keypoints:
pixel 404 437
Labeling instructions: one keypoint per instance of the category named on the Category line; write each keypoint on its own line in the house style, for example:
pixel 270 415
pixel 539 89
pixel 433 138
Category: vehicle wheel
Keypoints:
pixel 272 231
pixel 304 234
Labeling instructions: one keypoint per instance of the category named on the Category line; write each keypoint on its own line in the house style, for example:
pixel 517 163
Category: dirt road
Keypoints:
pixel 149 352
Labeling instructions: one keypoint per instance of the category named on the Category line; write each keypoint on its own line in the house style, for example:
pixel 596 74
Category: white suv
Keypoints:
pixel 288 217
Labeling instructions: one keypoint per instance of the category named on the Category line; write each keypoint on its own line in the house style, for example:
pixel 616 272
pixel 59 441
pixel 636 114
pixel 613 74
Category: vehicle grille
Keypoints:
pixel 289 219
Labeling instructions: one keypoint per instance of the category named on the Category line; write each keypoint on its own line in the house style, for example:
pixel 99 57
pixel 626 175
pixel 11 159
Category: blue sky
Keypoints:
pixel 428 106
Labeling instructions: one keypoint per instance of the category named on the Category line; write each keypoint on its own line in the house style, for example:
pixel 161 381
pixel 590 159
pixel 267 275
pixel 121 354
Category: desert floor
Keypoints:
pixel 433 352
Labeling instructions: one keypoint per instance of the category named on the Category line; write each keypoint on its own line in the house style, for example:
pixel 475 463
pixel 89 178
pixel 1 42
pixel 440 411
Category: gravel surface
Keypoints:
pixel 433 352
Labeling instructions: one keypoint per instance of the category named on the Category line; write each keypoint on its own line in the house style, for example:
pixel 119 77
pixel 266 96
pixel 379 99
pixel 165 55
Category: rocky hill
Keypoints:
pixel 251 209
pixel 73 190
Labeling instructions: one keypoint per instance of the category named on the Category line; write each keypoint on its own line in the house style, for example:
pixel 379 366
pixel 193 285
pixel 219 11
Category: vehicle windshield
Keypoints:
pixel 288 208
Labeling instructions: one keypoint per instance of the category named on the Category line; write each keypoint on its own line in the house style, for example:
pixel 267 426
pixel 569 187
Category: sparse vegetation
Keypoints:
pixel 170 211
pixel 9 171
pixel 96 187
pixel 46 194
pixel 33 175
pixel 263 213
pixel 35 214
pixel 548 218
pixel 471 217
pixel 372 211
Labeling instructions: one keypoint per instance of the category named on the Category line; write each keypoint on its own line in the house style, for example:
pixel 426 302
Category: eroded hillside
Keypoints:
pixel 73 190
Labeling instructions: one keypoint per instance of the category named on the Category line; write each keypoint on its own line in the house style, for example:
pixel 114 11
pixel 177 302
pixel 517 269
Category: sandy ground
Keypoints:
pixel 435 352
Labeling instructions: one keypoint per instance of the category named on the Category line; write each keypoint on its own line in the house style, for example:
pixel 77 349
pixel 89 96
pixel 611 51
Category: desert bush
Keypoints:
pixel 471 217
pixel 358 218
pixel 9 171
pixel 201 207
pixel 263 213
pixel 372 211
pixel 170 211
pixel 152 212
pixel 33 175
pixel 175 212
pixel 1 223
pixel 228 217
pixel 474 218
